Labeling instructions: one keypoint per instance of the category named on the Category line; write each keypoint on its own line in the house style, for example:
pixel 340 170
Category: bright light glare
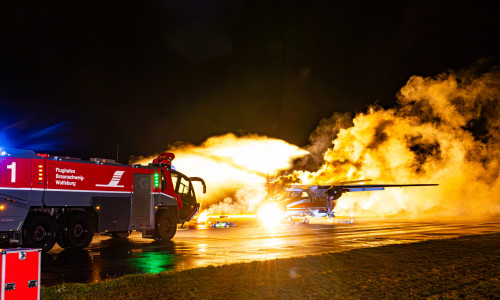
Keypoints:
pixel 270 215
pixel 202 217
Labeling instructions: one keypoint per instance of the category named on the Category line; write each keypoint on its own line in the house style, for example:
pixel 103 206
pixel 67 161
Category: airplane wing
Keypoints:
pixel 337 190
pixel 373 187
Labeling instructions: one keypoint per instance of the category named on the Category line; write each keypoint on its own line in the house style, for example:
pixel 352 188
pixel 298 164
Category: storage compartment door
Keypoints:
pixel 114 213
pixel 141 216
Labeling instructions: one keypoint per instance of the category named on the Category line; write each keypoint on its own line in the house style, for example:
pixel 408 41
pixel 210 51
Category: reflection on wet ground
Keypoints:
pixel 109 258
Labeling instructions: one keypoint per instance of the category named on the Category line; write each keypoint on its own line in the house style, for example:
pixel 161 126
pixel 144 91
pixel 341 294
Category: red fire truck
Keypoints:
pixel 46 199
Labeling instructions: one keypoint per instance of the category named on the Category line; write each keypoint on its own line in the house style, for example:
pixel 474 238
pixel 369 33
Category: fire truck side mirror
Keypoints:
pixel 202 183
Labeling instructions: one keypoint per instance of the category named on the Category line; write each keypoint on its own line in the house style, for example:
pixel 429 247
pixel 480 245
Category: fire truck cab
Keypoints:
pixel 46 199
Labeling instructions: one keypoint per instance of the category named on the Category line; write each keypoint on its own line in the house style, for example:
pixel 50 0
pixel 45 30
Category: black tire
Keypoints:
pixel 120 235
pixel 39 231
pixel 75 231
pixel 166 225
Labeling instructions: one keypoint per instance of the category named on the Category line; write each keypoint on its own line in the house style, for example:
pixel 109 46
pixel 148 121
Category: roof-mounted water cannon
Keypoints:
pixel 164 159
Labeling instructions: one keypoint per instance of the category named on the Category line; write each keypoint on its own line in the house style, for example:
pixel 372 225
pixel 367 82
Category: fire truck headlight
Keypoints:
pixel 2 207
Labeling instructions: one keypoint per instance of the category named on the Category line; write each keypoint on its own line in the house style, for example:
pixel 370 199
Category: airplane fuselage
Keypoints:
pixel 307 201
pixel 320 200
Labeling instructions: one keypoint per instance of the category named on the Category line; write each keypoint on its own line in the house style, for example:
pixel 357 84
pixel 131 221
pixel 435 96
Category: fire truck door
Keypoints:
pixel 141 216
pixel 186 191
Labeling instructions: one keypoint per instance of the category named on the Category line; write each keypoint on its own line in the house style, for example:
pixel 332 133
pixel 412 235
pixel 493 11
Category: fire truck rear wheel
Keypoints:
pixel 166 225
pixel 39 231
pixel 75 230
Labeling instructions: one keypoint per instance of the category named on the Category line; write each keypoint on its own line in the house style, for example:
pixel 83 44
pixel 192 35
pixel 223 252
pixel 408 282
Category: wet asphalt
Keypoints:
pixel 201 245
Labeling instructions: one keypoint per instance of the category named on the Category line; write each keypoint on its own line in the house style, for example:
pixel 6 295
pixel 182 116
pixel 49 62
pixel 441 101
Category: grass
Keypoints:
pixel 465 267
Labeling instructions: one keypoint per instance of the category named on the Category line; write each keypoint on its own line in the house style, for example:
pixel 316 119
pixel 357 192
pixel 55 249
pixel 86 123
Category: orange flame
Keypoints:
pixel 234 168
pixel 446 130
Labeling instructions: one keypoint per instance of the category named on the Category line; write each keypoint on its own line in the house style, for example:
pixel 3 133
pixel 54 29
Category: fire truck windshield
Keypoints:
pixel 175 179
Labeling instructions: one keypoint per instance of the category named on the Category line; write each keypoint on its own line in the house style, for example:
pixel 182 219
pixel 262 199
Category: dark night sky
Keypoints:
pixel 79 77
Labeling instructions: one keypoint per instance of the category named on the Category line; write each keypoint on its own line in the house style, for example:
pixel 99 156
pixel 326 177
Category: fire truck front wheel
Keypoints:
pixel 39 231
pixel 75 230
pixel 166 225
